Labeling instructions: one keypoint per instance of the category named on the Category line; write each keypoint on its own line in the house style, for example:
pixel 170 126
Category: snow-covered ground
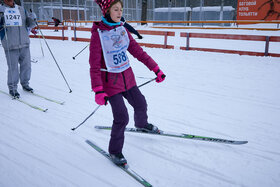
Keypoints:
pixel 210 94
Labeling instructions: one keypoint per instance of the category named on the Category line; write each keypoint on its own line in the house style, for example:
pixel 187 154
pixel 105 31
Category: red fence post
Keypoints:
pixel 165 39
pixel 75 36
pixel 63 33
pixel 188 41
pixel 266 46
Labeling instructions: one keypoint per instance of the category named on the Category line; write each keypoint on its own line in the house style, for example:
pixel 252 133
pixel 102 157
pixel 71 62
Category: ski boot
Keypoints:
pixel 118 159
pixel 14 94
pixel 150 128
pixel 27 88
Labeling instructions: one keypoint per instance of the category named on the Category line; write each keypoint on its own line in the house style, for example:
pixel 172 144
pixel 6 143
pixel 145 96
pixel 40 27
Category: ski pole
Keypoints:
pixel 41 46
pixel 8 49
pixel 80 51
pixel 53 57
pixel 39 35
pixel 163 76
pixel 86 118
pixel 147 82
pixel 107 100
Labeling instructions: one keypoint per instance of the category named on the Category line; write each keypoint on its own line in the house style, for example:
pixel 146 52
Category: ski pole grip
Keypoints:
pixel 106 100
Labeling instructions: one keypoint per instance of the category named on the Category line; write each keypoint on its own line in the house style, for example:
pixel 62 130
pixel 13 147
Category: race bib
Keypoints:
pixel 13 17
pixel 114 45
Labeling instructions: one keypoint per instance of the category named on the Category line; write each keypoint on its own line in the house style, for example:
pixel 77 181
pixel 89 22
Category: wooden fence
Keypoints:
pixel 45 27
pixel 143 32
pixel 266 39
pixel 167 34
pixel 203 24
pixel 75 38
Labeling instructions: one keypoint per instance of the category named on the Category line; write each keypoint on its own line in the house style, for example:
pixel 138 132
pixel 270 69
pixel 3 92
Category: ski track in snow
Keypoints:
pixel 190 165
pixel 209 94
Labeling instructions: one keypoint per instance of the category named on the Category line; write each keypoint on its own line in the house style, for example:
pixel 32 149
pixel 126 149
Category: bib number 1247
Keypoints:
pixel 12 17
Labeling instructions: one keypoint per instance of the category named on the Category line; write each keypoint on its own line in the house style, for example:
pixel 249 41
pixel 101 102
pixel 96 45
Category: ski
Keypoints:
pixel 125 168
pixel 180 135
pixel 26 103
pixel 48 99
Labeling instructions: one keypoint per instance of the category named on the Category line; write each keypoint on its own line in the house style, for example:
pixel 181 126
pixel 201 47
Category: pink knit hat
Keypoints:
pixel 104 5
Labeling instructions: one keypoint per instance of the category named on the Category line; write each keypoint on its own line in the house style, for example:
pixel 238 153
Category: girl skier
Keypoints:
pixel 112 77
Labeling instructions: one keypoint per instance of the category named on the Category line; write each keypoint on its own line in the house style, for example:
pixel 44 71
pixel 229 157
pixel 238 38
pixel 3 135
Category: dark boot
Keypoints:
pixel 14 94
pixel 150 128
pixel 118 159
pixel 27 88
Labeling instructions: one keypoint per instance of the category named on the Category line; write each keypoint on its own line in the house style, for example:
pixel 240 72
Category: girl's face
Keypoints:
pixel 116 12
pixel 9 2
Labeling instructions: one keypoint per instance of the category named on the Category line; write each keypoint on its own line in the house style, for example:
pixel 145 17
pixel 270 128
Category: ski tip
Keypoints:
pixel 15 97
pixel 45 110
pixel 102 127
pixel 125 166
pixel 240 142
pixel 89 142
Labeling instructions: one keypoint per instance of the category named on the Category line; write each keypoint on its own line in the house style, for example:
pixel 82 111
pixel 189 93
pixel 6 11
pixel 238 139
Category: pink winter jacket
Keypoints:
pixel 113 83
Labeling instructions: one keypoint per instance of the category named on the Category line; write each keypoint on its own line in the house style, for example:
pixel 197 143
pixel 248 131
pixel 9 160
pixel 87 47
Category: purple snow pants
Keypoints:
pixel 120 114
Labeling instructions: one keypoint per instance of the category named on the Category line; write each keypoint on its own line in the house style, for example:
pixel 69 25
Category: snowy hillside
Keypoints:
pixel 209 94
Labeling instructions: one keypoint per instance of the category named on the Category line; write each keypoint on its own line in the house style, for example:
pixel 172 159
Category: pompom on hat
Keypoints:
pixel 104 5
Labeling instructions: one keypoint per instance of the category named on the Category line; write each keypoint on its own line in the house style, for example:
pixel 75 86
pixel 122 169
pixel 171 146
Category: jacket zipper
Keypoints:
pixel 20 42
pixel 124 81
pixel 19 28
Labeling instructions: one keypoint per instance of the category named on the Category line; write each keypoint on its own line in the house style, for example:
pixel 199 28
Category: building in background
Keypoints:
pixel 185 10
pixel 194 14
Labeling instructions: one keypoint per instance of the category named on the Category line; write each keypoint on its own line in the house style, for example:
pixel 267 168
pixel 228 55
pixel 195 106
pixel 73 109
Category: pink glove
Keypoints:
pixel 101 97
pixel 34 31
pixel 160 75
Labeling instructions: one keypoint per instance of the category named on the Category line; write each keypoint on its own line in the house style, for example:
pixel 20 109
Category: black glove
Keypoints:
pixel 140 37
